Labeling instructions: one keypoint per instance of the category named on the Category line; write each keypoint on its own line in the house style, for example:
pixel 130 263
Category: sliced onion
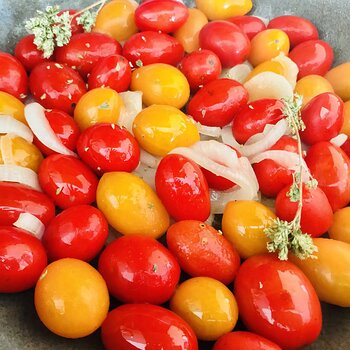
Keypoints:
pixel 11 125
pixel 132 101
pixel 339 140
pixel 290 69
pixel 210 219
pixel 19 174
pixel 36 119
pixel 238 72
pixel 147 174
pixel 6 149
pixel 211 131
pixel 148 159
pixel 30 223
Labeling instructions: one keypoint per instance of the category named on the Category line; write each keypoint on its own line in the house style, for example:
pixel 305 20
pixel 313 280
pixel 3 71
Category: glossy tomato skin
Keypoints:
pixel 226 40
pixel 85 49
pixel 249 25
pixel 78 232
pixel 203 251
pixel 330 166
pixel 323 118
pixel 107 147
pixel 152 326
pixel 113 71
pixel 217 103
pixel 266 284
pixel 312 57
pixel 17 198
pixel 163 15
pixel 67 181
pixel 22 257
pixel 200 67
pixel 56 86
pixel 153 47
pixel 182 188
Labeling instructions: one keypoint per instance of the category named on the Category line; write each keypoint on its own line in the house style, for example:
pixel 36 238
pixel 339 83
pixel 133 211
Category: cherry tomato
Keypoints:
pixel 152 326
pixel 56 86
pixel 346 123
pixel 182 188
pixel 76 28
pixel 67 181
pixel 217 103
pixel 330 166
pixel 339 78
pixel 266 285
pixel 200 67
pixel 113 71
pixel 340 229
pixel 71 298
pixel 108 147
pixel 10 105
pixel 13 77
pixel 226 40
pixel 22 257
pixel 77 232
pixel 16 199
pixel 346 147
pixel 312 57
pixel 85 49
pixel 203 251
pixel 249 25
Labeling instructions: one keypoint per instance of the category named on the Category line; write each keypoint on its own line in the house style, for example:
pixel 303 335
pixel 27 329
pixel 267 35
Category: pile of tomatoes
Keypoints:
pixel 123 166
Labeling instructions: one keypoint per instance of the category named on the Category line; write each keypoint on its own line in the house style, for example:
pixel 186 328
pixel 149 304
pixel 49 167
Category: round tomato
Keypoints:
pixel 267 285
pixel 339 78
pixel 10 105
pixel 340 229
pixel 249 25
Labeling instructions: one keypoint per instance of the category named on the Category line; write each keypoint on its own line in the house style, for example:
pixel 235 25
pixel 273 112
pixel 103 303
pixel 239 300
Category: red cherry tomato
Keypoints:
pixel 298 29
pixel 217 103
pixel 200 67
pixel 249 25
pixel 202 251
pixel 78 232
pixel 149 327
pixel 312 57
pixel 108 147
pixel 182 188
pixel 162 15
pixel 330 166
pixel 85 49
pixel 16 199
pixel 113 71
pixel 13 77
pixel 323 118
pixel 138 269
pixel 67 181
pixel 153 47
pixel 76 28
pixel 244 341
pixel 56 86
pixel 226 40
pixel 23 259
pixel 277 301
pixel 346 147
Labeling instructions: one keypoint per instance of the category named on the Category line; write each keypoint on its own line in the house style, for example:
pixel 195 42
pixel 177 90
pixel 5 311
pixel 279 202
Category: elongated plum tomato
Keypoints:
pixel 56 86
pixel 67 181
pixel 151 325
pixel 217 103
pixel 340 229
pixel 330 166
pixel 203 251
pixel 249 25
pixel 339 77
pixel 183 188
pixel 265 283
pixel 22 257
pixel 77 232
pixel 154 270
pixel 226 40
pixel 10 105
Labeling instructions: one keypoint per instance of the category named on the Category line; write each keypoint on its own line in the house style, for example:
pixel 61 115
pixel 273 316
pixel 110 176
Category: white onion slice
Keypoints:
pixel 211 131
pixel 19 174
pixel 148 159
pixel 238 72
pixel 132 101
pixel 6 149
pixel 339 140
pixel 36 119
pixel 30 223
pixel 11 125
pixel 290 69
pixel 147 174
pixel 210 219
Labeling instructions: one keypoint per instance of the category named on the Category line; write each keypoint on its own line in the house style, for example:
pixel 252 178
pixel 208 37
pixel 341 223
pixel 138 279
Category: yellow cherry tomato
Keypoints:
pixel 311 86
pixel 329 273
pixel 346 124
pixel 161 84
pixel 243 224
pixel 340 229
pixel 188 34
pixel 268 44
pixel 131 206
pixel 223 9
pixel 268 66
pixel 116 19
pixel 339 77
pixel 160 128
pixel 101 105
pixel 10 105
pixel 71 298
pixel 207 305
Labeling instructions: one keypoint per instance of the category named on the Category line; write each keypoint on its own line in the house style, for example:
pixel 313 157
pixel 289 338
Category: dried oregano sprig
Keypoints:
pixel 287 236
